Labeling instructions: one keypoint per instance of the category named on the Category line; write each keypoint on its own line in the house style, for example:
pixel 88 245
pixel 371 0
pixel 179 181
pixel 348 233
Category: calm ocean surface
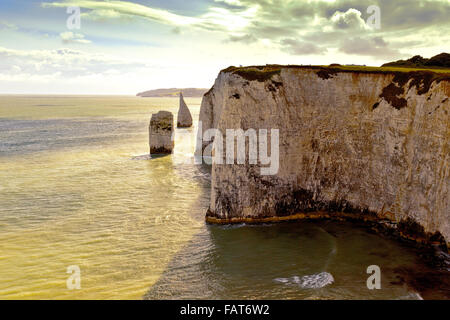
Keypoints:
pixel 77 188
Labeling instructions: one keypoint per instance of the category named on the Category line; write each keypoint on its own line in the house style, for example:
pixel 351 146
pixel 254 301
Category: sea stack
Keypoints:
pixel 184 115
pixel 160 133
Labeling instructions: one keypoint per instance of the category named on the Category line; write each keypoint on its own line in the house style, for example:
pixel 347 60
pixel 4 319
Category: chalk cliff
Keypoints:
pixel 372 145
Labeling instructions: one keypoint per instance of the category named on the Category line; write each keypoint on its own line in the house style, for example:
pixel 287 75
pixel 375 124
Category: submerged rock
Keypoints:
pixel 160 133
pixel 184 115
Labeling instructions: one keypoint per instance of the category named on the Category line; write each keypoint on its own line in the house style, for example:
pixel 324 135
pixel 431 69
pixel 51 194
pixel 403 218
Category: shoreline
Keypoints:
pixel 404 231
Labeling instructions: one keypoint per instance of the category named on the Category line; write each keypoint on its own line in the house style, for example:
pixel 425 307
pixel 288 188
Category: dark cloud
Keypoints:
pixel 297 47
pixel 395 14
pixel 342 24
pixel 248 38
pixel 261 30
pixel 176 30
pixel 375 47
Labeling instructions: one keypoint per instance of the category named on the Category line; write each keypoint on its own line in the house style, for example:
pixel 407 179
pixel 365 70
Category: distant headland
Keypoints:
pixel 173 92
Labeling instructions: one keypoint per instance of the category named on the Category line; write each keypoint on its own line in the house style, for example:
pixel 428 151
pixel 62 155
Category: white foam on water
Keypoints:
pixel 282 280
pixel 314 281
pixel 411 296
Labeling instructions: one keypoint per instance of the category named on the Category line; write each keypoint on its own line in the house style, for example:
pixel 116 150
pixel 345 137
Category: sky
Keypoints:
pixel 125 47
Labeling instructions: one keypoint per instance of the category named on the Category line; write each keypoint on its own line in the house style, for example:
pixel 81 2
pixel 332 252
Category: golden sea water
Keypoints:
pixel 77 188
pixel 74 192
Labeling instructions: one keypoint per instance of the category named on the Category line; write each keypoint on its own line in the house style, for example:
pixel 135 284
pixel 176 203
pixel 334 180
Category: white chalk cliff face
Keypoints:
pixel 372 145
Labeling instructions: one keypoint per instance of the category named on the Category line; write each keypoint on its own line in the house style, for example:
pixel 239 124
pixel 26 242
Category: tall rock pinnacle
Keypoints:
pixel 184 115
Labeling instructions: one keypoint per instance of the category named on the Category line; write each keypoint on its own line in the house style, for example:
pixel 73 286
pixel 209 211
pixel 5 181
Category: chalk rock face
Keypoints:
pixel 184 115
pixel 160 133
pixel 374 144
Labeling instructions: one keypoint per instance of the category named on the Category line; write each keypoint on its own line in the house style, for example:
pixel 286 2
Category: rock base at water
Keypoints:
pixel 160 133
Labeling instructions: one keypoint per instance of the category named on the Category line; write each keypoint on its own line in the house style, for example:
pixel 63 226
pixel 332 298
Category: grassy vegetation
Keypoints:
pixel 389 69
pixel 268 70
pixel 263 73
pixel 258 73
pixel 438 61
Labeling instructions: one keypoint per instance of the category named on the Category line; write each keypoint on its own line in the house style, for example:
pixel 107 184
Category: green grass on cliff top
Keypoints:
pixel 388 69
pixel 272 68
pixel 263 73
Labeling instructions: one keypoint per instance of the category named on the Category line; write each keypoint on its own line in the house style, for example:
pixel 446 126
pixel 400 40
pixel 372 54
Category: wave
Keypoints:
pixel 314 281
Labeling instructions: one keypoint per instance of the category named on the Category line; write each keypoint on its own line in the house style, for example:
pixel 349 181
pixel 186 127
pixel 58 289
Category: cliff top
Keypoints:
pixel 439 64
pixel 419 78
pixel 401 74
pixel 275 68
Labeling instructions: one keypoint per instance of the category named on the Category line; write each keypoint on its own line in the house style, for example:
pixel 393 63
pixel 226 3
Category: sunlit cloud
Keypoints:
pixel 351 19
pixel 216 19
pixel 70 37
pixel 115 9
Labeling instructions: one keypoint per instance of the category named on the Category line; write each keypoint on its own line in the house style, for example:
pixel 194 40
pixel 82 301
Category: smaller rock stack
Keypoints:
pixel 184 115
pixel 160 133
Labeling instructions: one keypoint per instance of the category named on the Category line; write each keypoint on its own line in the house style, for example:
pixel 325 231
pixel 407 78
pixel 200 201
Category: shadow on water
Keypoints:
pixel 151 156
pixel 158 156
pixel 270 261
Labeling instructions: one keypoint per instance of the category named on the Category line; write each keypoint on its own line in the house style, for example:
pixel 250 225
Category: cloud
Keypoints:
pixel 7 25
pixel 351 19
pixel 375 47
pixel 297 27
pixel 297 47
pixel 330 23
pixel 116 9
pixel 176 30
pixel 215 19
pixel 70 37
pixel 68 62
pixel 246 38
pixel 104 15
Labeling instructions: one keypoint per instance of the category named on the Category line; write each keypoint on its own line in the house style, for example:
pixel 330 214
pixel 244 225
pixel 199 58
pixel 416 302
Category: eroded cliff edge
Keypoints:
pixel 359 144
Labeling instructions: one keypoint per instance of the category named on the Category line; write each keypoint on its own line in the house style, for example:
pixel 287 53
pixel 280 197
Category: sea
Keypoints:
pixel 86 213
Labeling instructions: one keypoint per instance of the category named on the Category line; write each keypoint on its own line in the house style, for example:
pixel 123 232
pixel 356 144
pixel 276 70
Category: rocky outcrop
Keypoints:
pixel 353 144
pixel 184 119
pixel 160 133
